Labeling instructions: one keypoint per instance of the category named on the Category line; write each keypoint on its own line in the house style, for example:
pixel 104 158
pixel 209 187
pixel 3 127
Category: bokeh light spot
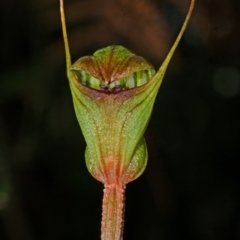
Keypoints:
pixel 226 81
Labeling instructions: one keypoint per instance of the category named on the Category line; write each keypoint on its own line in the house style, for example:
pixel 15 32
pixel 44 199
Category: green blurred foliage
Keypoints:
pixel 191 187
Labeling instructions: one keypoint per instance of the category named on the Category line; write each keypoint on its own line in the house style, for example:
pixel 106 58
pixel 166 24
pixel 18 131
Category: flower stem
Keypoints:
pixel 113 211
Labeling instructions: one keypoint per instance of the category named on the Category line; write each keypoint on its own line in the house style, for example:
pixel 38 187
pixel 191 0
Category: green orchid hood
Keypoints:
pixel 113 93
pixel 113 121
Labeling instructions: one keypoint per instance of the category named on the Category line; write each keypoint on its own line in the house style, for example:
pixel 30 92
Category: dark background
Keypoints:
pixel 191 187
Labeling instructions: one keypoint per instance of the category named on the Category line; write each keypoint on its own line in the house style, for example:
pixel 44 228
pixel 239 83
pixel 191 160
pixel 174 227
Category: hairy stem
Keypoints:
pixel 113 211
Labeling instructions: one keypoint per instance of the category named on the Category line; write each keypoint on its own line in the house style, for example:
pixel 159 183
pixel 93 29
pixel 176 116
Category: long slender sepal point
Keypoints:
pixel 164 65
pixel 65 38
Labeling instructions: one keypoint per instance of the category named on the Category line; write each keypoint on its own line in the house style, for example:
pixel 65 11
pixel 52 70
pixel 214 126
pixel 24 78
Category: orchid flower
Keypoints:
pixel 113 94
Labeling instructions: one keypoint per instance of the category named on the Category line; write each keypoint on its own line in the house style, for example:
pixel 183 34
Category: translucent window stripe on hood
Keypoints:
pixel 88 80
pixel 136 79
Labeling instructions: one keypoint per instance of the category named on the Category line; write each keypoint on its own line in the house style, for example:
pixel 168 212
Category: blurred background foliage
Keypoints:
pixel 191 187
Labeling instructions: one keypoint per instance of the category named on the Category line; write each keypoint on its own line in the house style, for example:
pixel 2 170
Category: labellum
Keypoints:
pixel 113 94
